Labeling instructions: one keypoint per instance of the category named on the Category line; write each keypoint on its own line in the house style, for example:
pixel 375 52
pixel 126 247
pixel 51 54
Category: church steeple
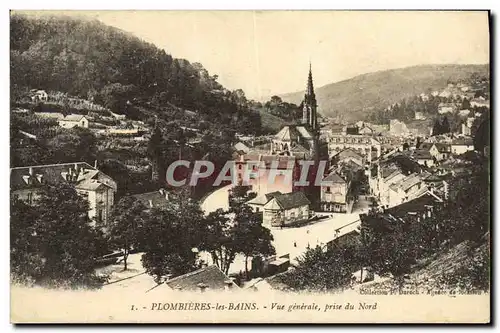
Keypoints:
pixel 309 116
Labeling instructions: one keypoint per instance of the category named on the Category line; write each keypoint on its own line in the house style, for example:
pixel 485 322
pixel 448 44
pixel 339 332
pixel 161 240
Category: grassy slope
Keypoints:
pixel 271 122
pixel 355 98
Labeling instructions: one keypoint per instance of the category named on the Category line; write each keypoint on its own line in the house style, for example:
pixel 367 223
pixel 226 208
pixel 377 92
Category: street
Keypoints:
pixel 293 240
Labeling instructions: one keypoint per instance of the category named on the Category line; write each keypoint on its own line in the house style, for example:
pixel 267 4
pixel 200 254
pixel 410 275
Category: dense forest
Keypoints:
pixel 90 60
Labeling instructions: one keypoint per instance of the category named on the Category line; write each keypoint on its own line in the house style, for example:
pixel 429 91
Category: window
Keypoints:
pixel 257 209
pixel 328 190
pixel 30 198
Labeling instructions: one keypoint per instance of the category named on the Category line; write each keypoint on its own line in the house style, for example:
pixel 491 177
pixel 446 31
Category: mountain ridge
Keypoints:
pixel 356 98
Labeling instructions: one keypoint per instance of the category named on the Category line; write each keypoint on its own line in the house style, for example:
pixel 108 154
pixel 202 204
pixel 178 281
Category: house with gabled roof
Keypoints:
pixel 258 203
pixel 407 189
pixel 286 209
pixel 334 193
pixel 73 120
pixel 98 188
pixel 209 278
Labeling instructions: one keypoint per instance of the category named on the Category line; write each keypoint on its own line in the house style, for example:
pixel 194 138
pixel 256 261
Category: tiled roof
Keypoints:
pixel 154 199
pixel 421 154
pixel 292 200
pixel 84 176
pixel 210 276
pixel 264 199
pixel 415 205
pixel 287 133
pixel 407 182
pixel 304 132
pixel 241 147
pixel 335 178
pixel 463 141
pixel 348 152
pixel 73 117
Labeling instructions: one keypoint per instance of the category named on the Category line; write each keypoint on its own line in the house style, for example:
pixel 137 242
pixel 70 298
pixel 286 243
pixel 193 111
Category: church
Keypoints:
pixel 292 143
pixel 300 140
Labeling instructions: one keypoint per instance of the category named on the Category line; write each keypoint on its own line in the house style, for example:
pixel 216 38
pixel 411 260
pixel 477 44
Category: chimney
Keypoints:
pixel 95 164
pixel 150 203
pixel 228 285
pixel 31 171
pixel 202 287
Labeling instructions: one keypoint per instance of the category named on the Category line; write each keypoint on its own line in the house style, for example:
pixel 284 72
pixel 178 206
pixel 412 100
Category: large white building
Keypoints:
pixel 98 188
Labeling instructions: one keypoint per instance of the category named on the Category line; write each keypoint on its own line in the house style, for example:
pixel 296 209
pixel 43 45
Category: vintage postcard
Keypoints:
pixel 250 166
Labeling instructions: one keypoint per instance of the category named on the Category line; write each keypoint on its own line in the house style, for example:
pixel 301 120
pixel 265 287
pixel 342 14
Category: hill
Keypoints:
pixel 89 60
pixel 356 98
pixel 271 122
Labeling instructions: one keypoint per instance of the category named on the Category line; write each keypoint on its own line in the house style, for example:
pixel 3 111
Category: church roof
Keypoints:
pixel 304 132
pixel 287 133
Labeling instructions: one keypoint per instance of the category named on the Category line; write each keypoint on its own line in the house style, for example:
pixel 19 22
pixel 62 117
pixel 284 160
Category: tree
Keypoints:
pixel 466 104
pixel 120 174
pixel 78 144
pixel 127 221
pixel 252 238
pixel 172 237
pixel 240 194
pixel 445 125
pixel 319 270
pixel 219 241
pixel 58 245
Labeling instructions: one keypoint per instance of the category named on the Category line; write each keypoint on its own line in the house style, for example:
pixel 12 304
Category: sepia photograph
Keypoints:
pixel 251 166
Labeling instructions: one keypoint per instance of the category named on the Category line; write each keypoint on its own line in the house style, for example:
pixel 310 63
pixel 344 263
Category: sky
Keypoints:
pixel 268 52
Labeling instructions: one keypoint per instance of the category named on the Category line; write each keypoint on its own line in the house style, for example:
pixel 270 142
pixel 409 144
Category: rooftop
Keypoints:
pixel 335 178
pixel 291 200
pixel 83 175
pixel 212 277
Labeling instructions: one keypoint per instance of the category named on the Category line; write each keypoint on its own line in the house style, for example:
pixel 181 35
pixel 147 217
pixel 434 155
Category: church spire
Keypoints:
pixel 310 86
pixel 309 116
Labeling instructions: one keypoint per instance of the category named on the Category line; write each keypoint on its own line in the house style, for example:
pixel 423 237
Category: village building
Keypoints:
pixel 460 146
pixel 398 128
pixel 447 108
pixel 480 102
pixel 39 96
pixel 155 199
pixel 258 168
pixel 293 141
pixel 257 204
pixel 286 209
pixel 334 196
pixel 347 155
pixel 419 115
pixel 281 153
pixel 407 189
pixel 73 120
pixel 98 188
pixel 205 279
pixel 444 150
pixel 412 211
pixel 366 146
pixel 423 157
pixel 464 113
